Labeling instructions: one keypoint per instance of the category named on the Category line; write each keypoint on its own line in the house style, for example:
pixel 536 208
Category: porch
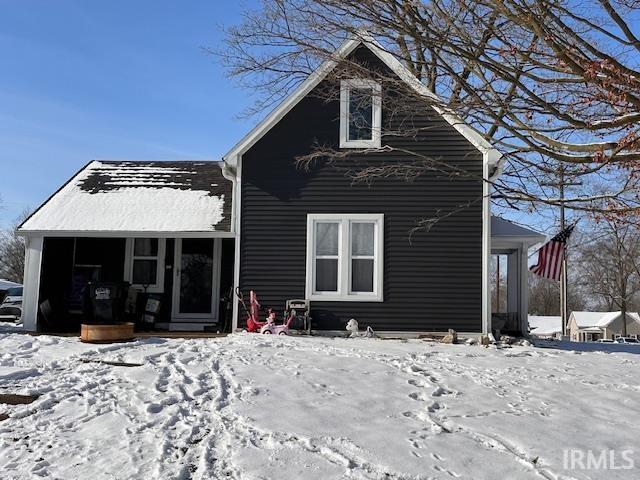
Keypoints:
pixel 509 270
pixel 174 283
pixel 590 334
pixel 161 232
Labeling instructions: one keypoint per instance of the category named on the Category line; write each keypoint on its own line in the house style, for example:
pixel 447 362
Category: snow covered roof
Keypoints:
pixel 112 196
pixel 7 284
pixel 634 316
pixel 545 325
pixel 594 319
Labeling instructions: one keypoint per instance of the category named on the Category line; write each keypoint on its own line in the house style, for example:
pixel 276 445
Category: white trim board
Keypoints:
pixel 123 234
pixel 490 154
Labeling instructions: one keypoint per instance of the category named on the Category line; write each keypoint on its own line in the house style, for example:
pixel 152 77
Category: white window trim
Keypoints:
pixel 376 118
pixel 157 287
pixel 344 293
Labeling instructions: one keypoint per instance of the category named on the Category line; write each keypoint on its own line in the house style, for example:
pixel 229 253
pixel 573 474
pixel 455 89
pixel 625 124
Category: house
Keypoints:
pixel 6 285
pixel 545 326
pixel 189 232
pixel 591 326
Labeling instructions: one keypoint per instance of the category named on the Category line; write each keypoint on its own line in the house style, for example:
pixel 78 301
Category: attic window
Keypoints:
pixel 360 113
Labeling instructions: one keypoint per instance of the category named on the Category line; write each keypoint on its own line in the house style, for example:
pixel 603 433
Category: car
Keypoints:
pixel 627 340
pixel 11 307
pixel 604 340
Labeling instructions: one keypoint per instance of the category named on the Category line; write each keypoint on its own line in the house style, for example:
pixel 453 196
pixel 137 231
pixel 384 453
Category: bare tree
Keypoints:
pixel 544 296
pixel 552 84
pixel 12 253
pixel 609 266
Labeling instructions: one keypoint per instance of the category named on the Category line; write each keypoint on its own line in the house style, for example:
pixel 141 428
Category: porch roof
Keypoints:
pixel 146 197
pixel 591 330
pixel 505 231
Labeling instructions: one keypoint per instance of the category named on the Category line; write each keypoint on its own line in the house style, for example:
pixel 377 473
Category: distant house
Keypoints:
pixel 190 232
pixel 6 285
pixel 545 326
pixel 591 326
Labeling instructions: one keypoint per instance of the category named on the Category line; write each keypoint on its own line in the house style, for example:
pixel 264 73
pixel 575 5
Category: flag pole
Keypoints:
pixel 563 272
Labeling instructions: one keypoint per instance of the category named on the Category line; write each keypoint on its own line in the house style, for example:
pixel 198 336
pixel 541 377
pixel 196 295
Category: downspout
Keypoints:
pixel 486 248
pixel 234 175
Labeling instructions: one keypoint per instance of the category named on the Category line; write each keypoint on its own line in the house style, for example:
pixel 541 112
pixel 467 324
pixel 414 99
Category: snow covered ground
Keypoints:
pixel 252 406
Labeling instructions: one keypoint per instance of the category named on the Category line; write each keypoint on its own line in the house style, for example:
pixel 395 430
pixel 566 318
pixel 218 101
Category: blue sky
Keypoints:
pixel 82 80
pixel 117 79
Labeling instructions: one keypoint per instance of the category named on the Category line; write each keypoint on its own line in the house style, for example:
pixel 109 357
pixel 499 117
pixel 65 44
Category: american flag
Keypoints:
pixel 551 254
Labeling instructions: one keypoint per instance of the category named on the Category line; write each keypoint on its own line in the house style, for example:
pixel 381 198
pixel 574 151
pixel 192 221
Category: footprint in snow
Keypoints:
pixel 418 396
pixel 416 383
pixel 154 408
pixel 451 473
pixel 440 391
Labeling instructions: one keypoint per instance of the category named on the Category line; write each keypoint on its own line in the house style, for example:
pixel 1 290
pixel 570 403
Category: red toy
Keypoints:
pixel 267 327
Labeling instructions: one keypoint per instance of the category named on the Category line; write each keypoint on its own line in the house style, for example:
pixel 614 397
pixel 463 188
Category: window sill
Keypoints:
pixel 360 144
pixel 345 298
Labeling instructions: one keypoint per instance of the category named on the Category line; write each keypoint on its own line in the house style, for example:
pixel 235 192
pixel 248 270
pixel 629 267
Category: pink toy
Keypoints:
pixel 269 325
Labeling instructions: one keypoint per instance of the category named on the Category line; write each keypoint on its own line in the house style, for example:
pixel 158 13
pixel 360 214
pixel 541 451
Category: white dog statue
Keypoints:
pixel 352 326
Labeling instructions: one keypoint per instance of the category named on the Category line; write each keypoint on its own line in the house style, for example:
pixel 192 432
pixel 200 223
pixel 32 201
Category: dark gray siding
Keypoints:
pixel 431 282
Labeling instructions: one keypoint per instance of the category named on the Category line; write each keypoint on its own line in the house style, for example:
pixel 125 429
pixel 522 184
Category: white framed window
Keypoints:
pixel 144 263
pixel 360 113
pixel 345 257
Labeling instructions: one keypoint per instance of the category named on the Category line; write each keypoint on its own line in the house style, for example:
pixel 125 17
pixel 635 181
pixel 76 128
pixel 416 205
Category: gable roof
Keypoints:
pixel 490 154
pixel 594 319
pixel 111 196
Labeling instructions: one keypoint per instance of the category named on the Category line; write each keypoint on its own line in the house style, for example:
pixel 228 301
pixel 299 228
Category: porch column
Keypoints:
pixel 513 282
pixel 31 290
pixel 524 288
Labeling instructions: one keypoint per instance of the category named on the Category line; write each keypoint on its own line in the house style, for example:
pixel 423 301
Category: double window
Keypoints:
pixel 360 113
pixel 145 263
pixel 344 257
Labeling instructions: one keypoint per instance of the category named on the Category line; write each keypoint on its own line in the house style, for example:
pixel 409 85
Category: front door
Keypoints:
pixel 196 281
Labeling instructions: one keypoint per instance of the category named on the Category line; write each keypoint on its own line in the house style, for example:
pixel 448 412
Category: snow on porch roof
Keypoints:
pixel 111 196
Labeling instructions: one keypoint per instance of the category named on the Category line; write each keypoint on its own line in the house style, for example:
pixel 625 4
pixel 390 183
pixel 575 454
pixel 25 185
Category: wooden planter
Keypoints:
pixel 117 332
